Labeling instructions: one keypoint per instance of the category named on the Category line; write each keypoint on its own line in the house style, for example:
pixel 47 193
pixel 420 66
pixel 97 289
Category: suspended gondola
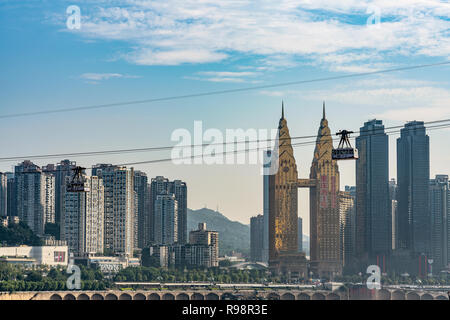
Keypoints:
pixel 78 181
pixel 344 151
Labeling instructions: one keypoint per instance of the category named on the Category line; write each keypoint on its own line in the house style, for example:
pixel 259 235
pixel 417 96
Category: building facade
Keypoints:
pixel 3 195
pixel 283 209
pixel 440 222
pixel 119 200
pixel 33 199
pixel 256 238
pixel 166 219
pixel 82 220
pixel 141 188
pixel 413 175
pixel 373 216
pixel 324 207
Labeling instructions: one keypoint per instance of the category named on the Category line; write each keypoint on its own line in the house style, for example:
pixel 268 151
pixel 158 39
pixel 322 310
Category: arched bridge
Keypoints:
pixel 383 294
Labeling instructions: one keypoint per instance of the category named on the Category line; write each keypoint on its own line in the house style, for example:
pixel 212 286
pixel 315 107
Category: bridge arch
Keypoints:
pixel 412 296
pixel 273 296
pixel 154 296
pixel 97 296
pixel 333 296
pixel 426 296
pixel 124 296
pixel 197 296
pixel 110 296
pixel 318 296
pixel 139 296
pixel 303 296
pixel 212 296
pixel 168 296
pixel 398 295
pixel 182 296
pixel 383 294
pixel 83 296
pixel 69 296
pixel 441 297
pixel 287 296
pixel 55 297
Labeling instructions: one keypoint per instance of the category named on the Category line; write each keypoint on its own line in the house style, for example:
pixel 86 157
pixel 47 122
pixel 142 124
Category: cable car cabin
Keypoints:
pixel 78 182
pixel 344 154
pixel 344 150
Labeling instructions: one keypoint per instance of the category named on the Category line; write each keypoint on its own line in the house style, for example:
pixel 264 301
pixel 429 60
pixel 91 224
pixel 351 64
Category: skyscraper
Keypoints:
pixel 3 194
pixel 119 209
pixel 62 170
pixel 300 234
pixel 440 222
pixel 34 196
pixel 82 218
pixel 11 208
pixel 166 218
pixel 256 238
pixel 158 186
pixel 413 174
pixel 324 206
pixel 373 216
pixel 142 207
pixel 266 206
pixel 394 215
pixel 283 215
pixel 162 185
pixel 179 189
pixel 346 220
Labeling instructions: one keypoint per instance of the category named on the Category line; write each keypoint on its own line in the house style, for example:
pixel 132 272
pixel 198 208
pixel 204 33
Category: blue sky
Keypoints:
pixel 132 50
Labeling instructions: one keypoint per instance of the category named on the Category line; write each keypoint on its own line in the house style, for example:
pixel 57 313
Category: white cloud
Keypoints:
pixel 95 78
pixel 171 32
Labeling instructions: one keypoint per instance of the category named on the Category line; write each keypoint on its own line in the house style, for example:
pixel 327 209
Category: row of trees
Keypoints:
pixel 149 274
pixel 20 278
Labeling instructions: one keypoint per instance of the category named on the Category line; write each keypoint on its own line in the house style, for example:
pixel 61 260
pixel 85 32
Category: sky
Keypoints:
pixel 135 50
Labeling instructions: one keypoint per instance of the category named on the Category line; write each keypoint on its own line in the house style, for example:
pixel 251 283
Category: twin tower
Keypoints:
pixel 323 183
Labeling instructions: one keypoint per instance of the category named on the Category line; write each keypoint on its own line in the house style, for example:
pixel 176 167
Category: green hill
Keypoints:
pixel 233 235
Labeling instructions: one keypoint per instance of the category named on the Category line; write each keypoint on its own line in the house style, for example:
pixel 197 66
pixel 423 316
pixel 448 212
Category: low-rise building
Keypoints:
pixel 42 255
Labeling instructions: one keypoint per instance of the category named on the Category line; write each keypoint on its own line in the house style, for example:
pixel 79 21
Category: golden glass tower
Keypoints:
pixel 283 218
pixel 324 206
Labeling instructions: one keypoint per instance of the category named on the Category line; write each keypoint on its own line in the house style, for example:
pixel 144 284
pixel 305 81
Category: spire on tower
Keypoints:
pixel 323 116
pixel 282 109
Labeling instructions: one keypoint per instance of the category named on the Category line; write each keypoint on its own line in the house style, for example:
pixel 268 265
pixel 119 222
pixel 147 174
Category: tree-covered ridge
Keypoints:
pixel 18 234
pixel 233 235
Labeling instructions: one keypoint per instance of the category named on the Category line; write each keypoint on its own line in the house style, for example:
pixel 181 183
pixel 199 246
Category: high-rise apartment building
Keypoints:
pixel 34 196
pixel 373 210
pixel 63 169
pixel 119 209
pixel 413 175
pixel 346 222
pixel 179 189
pixel 440 222
pixel 206 238
pixel 141 188
pixel 394 204
pixel 166 219
pixel 161 185
pixel 256 238
pixel 11 208
pixel 3 195
pixel 82 220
